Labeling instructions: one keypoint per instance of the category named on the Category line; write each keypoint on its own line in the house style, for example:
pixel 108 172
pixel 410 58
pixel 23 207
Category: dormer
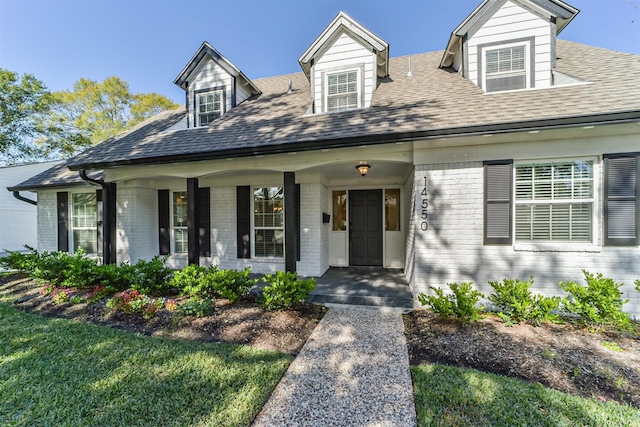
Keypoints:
pixel 509 44
pixel 213 86
pixel 344 66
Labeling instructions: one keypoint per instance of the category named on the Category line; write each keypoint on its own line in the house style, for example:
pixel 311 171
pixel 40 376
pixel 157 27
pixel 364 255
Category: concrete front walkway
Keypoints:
pixel 353 371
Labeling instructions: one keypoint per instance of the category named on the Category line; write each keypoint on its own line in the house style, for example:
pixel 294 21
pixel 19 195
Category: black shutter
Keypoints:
pixel 298 236
pixel 243 215
pixel 63 221
pixel 99 222
pixel 497 202
pixel 203 218
pixel 164 222
pixel 621 200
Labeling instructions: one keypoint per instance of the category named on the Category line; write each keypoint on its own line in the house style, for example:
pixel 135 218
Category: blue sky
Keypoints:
pixel 148 42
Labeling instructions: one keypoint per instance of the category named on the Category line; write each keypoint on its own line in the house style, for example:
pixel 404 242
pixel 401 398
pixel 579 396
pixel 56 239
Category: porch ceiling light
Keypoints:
pixel 363 168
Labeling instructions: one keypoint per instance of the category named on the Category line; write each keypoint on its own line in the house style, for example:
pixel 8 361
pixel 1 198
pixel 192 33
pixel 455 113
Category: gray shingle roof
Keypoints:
pixel 56 176
pixel 434 102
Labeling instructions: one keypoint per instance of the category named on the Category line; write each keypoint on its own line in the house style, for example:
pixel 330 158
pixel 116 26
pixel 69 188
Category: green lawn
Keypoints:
pixel 451 396
pixel 64 373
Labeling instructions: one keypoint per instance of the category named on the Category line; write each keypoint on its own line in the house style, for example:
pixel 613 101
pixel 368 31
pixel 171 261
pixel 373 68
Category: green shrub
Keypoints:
pixel 599 302
pixel 233 284
pixel 64 269
pixel 151 277
pixel 195 306
pixel 637 282
pixel 461 304
pixel 285 290
pixel 518 304
pixel 193 280
pixel 21 261
pixel 116 277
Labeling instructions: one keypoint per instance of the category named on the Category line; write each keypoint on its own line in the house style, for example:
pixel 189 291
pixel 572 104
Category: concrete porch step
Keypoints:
pixel 372 301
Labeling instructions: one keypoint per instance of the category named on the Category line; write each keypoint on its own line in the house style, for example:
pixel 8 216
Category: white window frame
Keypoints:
pixel 175 227
pixel 559 245
pixel 72 227
pixel 254 228
pixel 527 64
pixel 199 114
pixel 325 83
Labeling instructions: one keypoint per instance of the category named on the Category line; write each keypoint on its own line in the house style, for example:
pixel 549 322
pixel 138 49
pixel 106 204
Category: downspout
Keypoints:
pixel 17 195
pixel 108 217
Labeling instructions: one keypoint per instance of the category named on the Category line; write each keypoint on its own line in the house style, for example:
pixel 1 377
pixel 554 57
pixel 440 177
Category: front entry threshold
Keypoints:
pixel 365 286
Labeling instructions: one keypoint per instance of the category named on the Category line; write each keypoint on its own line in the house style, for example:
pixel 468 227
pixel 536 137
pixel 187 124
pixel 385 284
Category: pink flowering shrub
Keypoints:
pixel 171 305
pixel 60 295
pixel 132 301
pixel 47 289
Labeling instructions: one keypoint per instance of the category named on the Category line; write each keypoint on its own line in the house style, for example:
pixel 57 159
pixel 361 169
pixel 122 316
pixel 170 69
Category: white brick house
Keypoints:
pixel 510 154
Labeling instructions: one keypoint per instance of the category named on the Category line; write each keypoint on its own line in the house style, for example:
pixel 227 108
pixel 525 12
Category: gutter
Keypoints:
pixel 409 136
pixel 17 195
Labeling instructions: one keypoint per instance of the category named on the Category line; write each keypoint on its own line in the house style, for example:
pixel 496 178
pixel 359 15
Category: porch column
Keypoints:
pixel 290 229
pixel 109 208
pixel 192 222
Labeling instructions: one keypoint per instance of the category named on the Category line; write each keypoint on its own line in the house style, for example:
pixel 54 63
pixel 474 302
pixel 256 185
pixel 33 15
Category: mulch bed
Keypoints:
pixel 567 357
pixel 244 322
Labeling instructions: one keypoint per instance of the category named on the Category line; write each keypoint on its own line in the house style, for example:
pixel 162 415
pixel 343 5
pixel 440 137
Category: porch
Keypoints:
pixel 369 286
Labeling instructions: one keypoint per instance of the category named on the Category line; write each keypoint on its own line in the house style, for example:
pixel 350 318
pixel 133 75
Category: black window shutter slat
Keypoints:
pixel 164 222
pixel 63 221
pixel 621 200
pixel 498 202
pixel 99 208
pixel 298 237
pixel 203 216
pixel 243 215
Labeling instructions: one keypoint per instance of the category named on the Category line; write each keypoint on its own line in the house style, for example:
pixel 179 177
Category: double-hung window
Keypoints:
pixel 210 107
pixel 554 201
pixel 84 222
pixel 506 67
pixel 268 221
pixel 343 90
pixel 180 230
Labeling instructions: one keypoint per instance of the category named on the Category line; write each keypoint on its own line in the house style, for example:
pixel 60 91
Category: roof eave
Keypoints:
pixel 618 117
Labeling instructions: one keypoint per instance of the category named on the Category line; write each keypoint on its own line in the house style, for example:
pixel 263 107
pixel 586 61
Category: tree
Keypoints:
pixel 94 112
pixel 24 103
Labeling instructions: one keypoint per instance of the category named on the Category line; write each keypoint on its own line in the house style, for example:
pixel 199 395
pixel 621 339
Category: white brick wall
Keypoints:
pixel 452 248
pixel 410 220
pixel 47 221
pixel 137 224
pixel 314 243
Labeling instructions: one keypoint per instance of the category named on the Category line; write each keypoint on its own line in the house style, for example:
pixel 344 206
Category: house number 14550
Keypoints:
pixel 424 225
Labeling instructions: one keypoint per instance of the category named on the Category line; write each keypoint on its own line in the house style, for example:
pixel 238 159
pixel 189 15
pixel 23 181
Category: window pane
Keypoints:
pixel 342 91
pixel 84 210
pixel 558 219
pixel 85 239
pixel 180 209
pixel 268 211
pixel 339 210
pixel 209 107
pixel 181 244
pixel 392 209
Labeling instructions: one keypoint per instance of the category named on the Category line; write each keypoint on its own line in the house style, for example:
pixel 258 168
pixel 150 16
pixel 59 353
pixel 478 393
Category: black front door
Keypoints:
pixel 365 227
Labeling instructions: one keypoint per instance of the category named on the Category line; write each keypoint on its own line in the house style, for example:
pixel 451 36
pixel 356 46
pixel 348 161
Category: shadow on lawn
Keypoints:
pixel 59 372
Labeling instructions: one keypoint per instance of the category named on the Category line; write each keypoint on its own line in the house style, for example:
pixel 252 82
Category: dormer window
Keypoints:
pixel 210 106
pixel 342 91
pixel 506 66
pixel 506 69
